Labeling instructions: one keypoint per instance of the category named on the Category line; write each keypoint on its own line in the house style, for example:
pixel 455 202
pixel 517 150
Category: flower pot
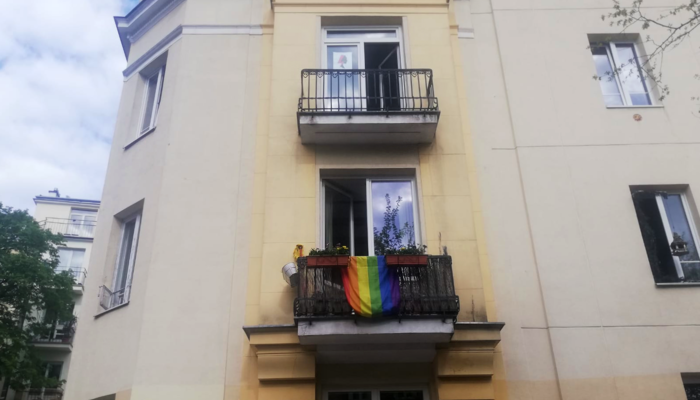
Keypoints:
pixel 405 260
pixel 327 261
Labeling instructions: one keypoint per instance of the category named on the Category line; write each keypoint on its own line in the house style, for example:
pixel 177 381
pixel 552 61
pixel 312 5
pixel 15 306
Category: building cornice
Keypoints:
pixel 66 200
pixel 167 41
pixel 141 19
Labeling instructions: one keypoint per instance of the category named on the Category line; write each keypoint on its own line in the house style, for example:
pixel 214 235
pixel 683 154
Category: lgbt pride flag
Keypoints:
pixel 371 287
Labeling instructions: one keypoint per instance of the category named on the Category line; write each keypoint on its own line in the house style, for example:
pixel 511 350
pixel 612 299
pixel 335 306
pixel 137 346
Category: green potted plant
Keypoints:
pixel 409 255
pixel 337 256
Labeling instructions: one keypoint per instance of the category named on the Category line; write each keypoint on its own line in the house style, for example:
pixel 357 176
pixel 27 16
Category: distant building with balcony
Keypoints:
pixel 75 220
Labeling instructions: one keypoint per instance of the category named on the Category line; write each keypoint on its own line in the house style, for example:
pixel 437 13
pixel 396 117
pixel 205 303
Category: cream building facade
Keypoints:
pixel 586 316
pixel 247 128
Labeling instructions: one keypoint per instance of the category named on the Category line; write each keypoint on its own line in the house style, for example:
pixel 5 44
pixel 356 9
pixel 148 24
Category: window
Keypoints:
pixel 151 100
pixel 369 214
pixel 126 257
pixel 691 384
pixel 415 394
pixel 621 77
pixel 366 49
pixel 663 217
pixel 70 258
pixel 82 223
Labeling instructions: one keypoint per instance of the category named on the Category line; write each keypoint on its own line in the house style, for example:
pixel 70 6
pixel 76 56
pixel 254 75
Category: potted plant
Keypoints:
pixel 337 256
pixel 410 255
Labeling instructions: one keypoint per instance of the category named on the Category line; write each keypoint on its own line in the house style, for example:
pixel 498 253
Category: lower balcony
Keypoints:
pixel 39 394
pixel 425 315
pixel 60 338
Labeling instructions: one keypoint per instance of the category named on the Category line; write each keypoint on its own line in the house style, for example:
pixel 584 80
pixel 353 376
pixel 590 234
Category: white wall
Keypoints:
pixel 583 316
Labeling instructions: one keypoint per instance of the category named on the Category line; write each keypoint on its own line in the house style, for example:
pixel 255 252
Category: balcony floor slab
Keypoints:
pixel 389 331
pixel 382 128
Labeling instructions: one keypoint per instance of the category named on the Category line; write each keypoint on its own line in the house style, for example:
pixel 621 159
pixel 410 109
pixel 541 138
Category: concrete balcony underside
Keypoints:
pixel 368 128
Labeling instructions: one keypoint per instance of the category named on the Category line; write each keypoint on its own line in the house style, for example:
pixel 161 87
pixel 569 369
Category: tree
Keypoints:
pixel 29 283
pixel 672 26
pixel 391 237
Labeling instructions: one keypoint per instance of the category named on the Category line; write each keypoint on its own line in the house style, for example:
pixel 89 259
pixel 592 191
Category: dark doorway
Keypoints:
pixel 383 93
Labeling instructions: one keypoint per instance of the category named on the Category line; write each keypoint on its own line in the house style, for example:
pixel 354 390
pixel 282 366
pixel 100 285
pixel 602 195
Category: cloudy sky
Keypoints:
pixel 60 81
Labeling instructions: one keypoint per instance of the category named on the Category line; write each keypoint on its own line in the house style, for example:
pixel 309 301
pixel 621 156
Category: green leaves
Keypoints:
pixel 31 294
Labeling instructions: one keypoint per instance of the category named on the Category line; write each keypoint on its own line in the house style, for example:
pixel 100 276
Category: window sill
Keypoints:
pixel 98 315
pixel 636 107
pixel 677 284
pixel 141 136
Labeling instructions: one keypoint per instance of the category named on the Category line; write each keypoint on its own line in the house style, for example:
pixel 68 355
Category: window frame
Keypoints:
pixel 667 226
pixel 376 389
pixel 417 223
pixel 160 72
pixel 613 58
pixel 361 41
pixel 132 257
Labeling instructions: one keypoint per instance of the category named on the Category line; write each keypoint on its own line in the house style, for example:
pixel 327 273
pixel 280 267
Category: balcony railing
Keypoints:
pixel 40 394
pixel 426 291
pixel 77 273
pixel 110 299
pixel 62 335
pixel 362 91
pixel 70 227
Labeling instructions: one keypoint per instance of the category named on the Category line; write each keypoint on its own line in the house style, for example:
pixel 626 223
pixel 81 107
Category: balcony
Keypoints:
pixel 365 106
pixel 426 313
pixel 40 394
pixel 112 299
pixel 69 227
pixel 77 273
pixel 59 338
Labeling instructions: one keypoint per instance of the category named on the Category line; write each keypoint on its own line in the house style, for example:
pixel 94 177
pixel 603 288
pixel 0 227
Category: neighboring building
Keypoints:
pixel 595 305
pixel 75 219
pixel 248 127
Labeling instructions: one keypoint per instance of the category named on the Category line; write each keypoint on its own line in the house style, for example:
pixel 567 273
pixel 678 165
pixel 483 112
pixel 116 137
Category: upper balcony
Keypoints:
pixel 40 394
pixel 71 228
pixel 367 106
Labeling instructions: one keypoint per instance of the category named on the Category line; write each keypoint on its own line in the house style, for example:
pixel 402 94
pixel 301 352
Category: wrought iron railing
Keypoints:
pixel 426 291
pixel 362 91
pixel 77 273
pixel 110 299
pixel 40 394
pixel 70 227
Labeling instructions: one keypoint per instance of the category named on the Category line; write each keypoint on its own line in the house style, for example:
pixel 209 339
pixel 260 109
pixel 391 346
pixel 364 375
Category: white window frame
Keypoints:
pixel 132 256
pixel 611 50
pixel 376 389
pixel 417 226
pixel 156 100
pixel 667 226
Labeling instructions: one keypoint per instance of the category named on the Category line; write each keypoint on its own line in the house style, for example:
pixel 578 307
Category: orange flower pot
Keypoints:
pixel 404 260
pixel 327 261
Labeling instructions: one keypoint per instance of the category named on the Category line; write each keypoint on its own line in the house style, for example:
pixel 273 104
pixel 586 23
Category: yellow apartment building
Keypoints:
pixel 253 131
pixel 247 128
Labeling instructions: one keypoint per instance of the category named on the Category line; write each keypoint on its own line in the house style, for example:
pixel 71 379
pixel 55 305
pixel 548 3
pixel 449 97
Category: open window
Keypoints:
pixel 376 394
pixel 619 68
pixel 665 217
pixel 369 213
pixel 370 59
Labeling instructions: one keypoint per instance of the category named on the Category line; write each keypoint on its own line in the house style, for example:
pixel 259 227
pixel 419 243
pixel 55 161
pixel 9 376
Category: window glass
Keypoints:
pixel 631 75
pixel 150 102
pixel 352 34
pixel 343 89
pixel 70 258
pixel 349 395
pixel 401 395
pixel 392 215
pixel 678 221
pixel 604 70
pixel 125 254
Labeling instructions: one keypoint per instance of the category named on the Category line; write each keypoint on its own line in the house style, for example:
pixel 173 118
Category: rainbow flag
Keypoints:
pixel 371 287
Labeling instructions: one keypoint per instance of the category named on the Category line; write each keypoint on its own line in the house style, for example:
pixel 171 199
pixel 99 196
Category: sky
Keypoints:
pixel 60 82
